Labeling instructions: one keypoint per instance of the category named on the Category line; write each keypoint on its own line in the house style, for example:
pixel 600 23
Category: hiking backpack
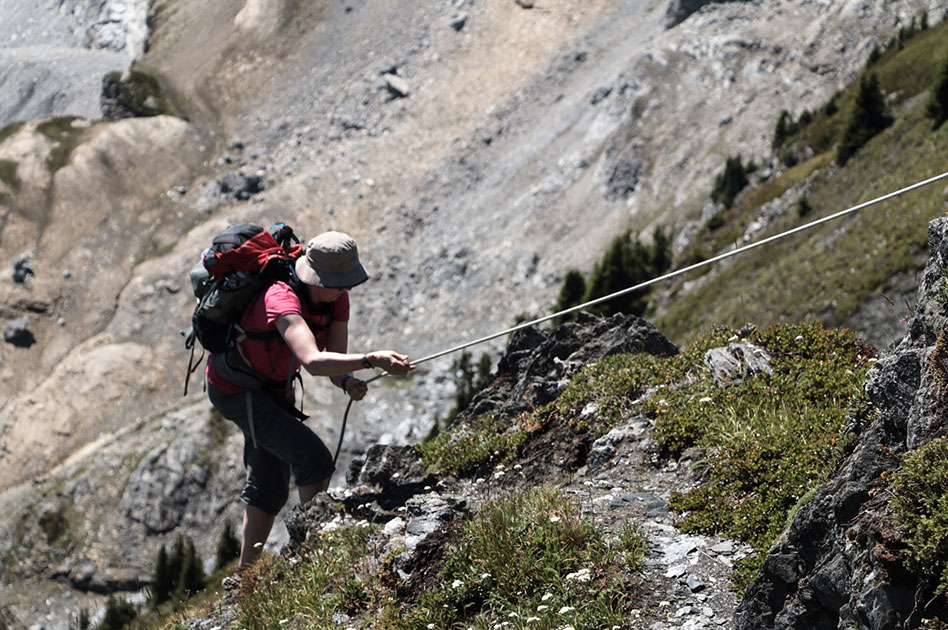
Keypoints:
pixel 242 261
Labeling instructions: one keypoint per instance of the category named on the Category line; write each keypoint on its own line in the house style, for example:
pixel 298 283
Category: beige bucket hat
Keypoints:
pixel 331 260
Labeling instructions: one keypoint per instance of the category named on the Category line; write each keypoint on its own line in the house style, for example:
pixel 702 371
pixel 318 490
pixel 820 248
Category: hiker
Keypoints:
pixel 311 332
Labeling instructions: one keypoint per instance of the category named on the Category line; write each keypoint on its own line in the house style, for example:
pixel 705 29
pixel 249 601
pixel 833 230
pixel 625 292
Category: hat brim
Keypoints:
pixel 330 280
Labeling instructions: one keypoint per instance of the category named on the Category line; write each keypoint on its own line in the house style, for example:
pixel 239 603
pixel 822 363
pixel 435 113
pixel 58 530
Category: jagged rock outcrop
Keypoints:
pixel 833 567
pixel 537 362
pixel 679 10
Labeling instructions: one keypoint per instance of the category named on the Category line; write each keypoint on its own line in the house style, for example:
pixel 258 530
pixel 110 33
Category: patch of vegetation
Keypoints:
pixel 531 561
pixel 8 174
pixel 9 130
pixel 228 548
pixel 867 118
pixel 310 588
pixel 118 614
pixel 467 447
pixel 920 509
pixel 936 107
pixel 626 263
pixel 177 576
pixel 730 182
pixel 836 267
pixel 770 439
pixel 54 524
pixel 140 92
pixel 65 137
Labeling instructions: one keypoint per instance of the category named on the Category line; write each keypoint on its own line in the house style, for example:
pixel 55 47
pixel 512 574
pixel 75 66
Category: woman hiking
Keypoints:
pixel 286 328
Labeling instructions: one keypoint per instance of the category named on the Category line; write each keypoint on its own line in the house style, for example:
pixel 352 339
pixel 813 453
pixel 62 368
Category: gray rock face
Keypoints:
pixel 54 54
pixel 831 568
pixel 533 369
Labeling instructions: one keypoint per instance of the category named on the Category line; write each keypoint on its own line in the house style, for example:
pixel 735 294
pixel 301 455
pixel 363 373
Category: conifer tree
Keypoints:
pixel 118 614
pixel 937 106
pixel 192 573
pixel 163 580
pixel 783 130
pixel 571 294
pixel 732 181
pixel 866 120
pixel 228 547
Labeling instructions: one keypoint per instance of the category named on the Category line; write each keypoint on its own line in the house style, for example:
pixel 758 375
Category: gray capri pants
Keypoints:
pixel 279 444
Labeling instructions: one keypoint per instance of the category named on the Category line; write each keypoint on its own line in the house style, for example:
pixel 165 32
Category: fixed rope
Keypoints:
pixel 647 283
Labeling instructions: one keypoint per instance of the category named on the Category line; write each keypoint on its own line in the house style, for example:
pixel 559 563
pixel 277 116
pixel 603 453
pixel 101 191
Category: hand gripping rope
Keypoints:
pixel 647 283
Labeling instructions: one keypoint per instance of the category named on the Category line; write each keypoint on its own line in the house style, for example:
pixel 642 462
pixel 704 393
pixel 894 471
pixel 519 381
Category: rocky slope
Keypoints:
pixel 837 564
pixel 474 159
pixel 53 55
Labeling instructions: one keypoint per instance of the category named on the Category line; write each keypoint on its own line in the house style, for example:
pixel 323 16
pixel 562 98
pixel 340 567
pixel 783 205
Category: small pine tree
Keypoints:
pixel 874 55
pixel 661 254
pixel 803 207
pixel 729 183
pixel 866 120
pixel 783 130
pixel 118 614
pixel 163 580
pixel 228 547
pixel 192 573
pixel 571 294
pixel 936 107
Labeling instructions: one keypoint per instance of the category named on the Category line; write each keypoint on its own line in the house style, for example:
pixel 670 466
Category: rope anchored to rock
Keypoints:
pixel 647 283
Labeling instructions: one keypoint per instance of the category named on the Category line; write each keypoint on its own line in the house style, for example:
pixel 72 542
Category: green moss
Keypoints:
pixel 770 440
pixel 920 509
pixel 65 137
pixel 8 174
pixel 466 447
pixel 9 130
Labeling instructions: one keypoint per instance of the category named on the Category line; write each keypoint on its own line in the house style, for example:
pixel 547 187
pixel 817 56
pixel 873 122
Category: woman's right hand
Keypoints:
pixel 390 361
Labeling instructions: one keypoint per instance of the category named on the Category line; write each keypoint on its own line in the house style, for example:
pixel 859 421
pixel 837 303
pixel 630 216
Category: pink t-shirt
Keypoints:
pixel 273 358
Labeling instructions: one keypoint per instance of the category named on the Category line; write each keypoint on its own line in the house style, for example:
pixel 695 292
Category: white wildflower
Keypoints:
pixel 546 597
pixel 484 576
pixel 555 519
pixel 514 615
pixel 457 584
pixel 583 575
pixel 706 399
pixel 566 609
pixel 542 607
pixel 532 619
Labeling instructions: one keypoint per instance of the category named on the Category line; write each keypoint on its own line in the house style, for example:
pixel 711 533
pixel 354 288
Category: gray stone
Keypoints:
pixel 17 333
pixel 732 364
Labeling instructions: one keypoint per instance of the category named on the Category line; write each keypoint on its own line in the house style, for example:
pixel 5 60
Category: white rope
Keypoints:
pixel 679 272
pixel 642 285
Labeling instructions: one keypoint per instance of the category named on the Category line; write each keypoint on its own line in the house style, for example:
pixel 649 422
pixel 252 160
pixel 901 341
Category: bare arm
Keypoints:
pixel 335 360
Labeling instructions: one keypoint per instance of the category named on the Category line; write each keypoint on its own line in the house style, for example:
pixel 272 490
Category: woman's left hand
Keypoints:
pixel 356 388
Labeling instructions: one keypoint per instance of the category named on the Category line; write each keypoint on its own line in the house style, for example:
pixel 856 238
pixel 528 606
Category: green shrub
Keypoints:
pixel 920 509
pixel 866 119
pixel 936 107
pixel 571 294
pixel 464 449
pixel 626 263
pixel 228 547
pixel 770 439
pixel 803 207
pixel 65 137
pixel 730 182
pixel 8 174
pixel 311 587
pixel 140 92
pixel 118 614
pixel 531 556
